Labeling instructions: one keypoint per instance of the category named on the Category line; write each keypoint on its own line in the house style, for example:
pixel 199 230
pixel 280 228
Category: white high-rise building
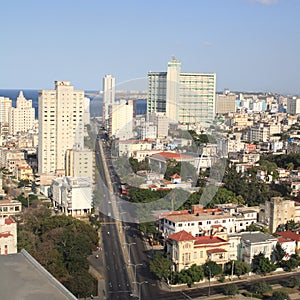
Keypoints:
pixel 22 116
pixel 108 95
pixel 5 108
pixel 121 119
pixel 185 97
pixel 61 126
pixel 86 114
pixel 293 106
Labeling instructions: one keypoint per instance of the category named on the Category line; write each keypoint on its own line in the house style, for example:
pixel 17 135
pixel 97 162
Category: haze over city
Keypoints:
pixel 252 45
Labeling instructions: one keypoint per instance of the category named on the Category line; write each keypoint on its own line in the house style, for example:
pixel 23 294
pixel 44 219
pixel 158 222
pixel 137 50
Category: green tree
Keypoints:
pixel 280 295
pixel 293 282
pixel 262 264
pixel 260 287
pixel 239 268
pixel 211 269
pixel 196 273
pixel 291 225
pixel 279 253
pixel 292 263
pixel 161 266
pixel 253 227
pixel 230 289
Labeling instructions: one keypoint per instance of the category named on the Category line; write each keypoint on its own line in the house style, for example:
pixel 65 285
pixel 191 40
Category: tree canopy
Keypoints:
pixel 61 244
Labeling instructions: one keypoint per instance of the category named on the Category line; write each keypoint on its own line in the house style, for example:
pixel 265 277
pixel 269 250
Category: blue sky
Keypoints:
pixel 252 45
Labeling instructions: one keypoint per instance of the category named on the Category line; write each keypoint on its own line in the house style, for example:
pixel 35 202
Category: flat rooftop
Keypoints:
pixel 23 278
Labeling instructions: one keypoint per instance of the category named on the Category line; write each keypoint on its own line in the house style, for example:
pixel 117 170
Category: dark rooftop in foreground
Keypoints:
pixel 23 278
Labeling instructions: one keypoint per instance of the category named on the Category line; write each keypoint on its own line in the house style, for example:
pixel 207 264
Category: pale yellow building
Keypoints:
pixel 61 126
pixel 278 211
pixel 185 249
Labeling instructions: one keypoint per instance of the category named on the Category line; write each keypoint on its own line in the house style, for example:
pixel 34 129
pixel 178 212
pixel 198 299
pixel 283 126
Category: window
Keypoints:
pixel 195 255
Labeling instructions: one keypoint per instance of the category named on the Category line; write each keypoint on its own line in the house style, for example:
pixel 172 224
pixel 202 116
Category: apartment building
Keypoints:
pixel 80 163
pixel 225 103
pixel 61 126
pixel 121 119
pixel 202 221
pixel 277 211
pixel 22 116
pixel 184 97
pixel 109 83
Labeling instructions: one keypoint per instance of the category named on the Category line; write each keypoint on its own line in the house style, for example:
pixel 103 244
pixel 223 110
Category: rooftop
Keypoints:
pixel 23 278
pixel 289 235
pixel 191 217
pixel 182 236
pixel 256 237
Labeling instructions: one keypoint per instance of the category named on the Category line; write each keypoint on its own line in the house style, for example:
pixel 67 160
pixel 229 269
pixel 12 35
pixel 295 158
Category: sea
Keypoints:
pixel 95 104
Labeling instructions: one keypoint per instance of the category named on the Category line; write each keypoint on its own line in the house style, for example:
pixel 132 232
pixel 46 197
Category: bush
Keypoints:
pixel 260 288
pixel 230 289
pixel 280 295
pixel 293 282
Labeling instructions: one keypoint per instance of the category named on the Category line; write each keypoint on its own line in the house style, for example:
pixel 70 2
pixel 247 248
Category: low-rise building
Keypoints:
pixel 245 245
pixel 185 250
pixel 291 235
pixel 8 236
pixel 73 195
pixel 10 208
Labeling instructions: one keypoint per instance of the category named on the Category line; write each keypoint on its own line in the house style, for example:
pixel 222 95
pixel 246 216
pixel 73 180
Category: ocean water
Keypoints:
pixel 95 105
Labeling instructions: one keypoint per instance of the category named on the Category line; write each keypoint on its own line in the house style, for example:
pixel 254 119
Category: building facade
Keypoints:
pixel 73 195
pixel 8 236
pixel 184 97
pixel 121 119
pixel 109 83
pixel 22 116
pixel 61 126
pixel 225 103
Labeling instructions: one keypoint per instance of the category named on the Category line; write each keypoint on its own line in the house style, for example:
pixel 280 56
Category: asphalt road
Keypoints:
pixel 116 276
pixel 118 282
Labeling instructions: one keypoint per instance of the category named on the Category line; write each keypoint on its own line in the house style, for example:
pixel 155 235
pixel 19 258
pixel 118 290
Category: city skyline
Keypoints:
pixel 250 44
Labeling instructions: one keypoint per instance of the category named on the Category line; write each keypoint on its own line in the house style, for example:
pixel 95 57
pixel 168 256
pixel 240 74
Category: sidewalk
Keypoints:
pixel 214 282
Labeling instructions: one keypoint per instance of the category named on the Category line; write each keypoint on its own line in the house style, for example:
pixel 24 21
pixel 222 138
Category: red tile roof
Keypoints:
pixel 175 176
pixel 289 235
pixel 217 250
pixel 5 234
pixel 205 240
pixel 182 236
pixel 9 221
pixel 283 240
pixel 171 155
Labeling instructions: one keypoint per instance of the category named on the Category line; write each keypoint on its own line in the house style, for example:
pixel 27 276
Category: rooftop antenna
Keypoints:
pixel 173 57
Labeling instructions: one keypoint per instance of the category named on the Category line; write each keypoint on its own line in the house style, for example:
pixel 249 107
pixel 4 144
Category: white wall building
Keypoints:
pixel 5 107
pixel 73 195
pixel 22 116
pixel 80 163
pixel 244 245
pixel 121 119
pixel 61 126
pixel 86 113
pixel 8 236
pixel 109 83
